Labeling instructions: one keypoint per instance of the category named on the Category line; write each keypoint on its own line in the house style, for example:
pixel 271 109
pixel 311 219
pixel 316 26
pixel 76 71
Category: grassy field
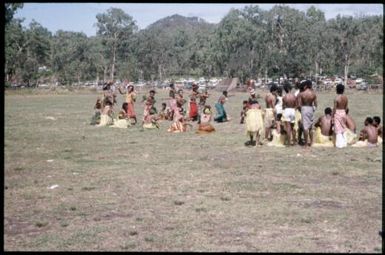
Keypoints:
pixel 135 190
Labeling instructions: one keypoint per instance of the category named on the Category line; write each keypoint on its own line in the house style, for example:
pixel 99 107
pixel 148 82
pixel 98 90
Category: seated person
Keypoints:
pixel 205 125
pixel 377 124
pixel 98 111
pixel 180 124
pixel 368 135
pixel 324 129
pixel 107 113
pixel 221 113
pixel 163 113
pixel 278 133
pixel 123 120
pixel 350 131
pixel 150 117
pixel 254 122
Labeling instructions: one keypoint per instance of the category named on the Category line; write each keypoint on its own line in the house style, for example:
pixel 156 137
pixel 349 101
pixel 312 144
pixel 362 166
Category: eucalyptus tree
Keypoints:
pixel 69 61
pixel 115 27
pixel 346 32
pixel 15 45
pixel 10 10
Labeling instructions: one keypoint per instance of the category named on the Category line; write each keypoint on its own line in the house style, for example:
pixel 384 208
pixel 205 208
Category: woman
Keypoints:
pixel 123 120
pixel 130 100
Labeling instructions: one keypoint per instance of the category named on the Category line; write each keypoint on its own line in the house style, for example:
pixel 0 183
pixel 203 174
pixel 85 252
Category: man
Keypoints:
pixel 308 103
pixel 270 100
pixel 350 131
pixel 324 131
pixel 339 116
pixel 221 113
pixel 350 123
pixel 289 102
pixel 368 135
pixel 377 124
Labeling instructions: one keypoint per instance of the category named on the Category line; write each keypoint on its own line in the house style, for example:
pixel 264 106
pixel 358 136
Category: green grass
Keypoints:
pixel 134 190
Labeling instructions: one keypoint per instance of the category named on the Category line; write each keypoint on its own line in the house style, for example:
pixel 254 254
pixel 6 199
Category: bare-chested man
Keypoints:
pixel 377 124
pixel 289 102
pixel 350 123
pixel 339 116
pixel 369 133
pixel 308 102
pixel 325 131
pixel 270 99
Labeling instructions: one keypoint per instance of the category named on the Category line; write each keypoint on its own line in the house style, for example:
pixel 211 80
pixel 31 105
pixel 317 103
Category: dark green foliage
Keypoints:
pixel 247 43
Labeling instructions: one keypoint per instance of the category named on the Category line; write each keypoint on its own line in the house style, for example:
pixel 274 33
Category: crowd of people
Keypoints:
pixel 286 119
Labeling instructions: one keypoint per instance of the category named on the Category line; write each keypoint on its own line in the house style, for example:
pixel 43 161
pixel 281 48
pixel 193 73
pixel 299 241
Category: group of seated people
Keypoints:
pixel 173 111
pixel 252 115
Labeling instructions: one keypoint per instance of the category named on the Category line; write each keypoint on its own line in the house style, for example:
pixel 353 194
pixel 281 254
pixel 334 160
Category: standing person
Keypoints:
pixel 180 100
pixel 193 112
pixel 245 106
pixel 172 106
pixel 270 100
pixel 254 122
pixel 221 112
pixel 202 102
pixel 324 129
pixel 278 107
pixel 130 100
pixel 339 116
pixel 289 103
pixel 308 103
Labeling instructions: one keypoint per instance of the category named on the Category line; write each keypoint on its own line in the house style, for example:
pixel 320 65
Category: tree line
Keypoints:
pixel 246 43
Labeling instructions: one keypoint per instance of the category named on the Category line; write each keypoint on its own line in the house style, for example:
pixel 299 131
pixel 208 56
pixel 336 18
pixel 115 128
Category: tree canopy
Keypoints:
pixel 246 43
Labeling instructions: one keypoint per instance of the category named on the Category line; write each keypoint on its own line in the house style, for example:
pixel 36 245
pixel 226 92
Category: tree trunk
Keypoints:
pixel 346 69
pixel 266 76
pixel 160 72
pixel 113 63
pixel 105 74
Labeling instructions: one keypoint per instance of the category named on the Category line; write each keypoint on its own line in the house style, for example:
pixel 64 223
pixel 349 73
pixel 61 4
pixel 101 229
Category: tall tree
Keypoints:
pixel 115 27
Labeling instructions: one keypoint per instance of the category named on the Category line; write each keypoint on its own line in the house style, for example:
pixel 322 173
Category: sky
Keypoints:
pixel 81 17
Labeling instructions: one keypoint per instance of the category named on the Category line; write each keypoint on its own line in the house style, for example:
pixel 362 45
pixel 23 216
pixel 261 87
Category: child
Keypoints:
pixel 193 113
pixel 98 111
pixel 278 133
pixel 123 120
pixel 205 125
pixel 107 113
pixel 243 112
pixel 163 115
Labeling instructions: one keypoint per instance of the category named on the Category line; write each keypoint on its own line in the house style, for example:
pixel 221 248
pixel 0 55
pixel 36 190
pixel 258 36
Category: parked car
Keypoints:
pixel 362 86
